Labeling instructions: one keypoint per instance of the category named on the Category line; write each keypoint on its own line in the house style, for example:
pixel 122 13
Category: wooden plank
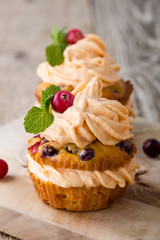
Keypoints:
pixel 33 228
pixel 131 32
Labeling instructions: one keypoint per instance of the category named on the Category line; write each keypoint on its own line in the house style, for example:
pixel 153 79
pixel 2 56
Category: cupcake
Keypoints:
pixel 85 58
pixel 83 159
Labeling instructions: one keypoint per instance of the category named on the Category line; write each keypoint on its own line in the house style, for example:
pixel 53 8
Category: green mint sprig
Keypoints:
pixel 54 52
pixel 38 119
pixel 47 95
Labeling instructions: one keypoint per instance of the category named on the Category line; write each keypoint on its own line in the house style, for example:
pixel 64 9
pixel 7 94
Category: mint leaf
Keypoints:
pixel 62 35
pixel 58 36
pixel 37 120
pixel 54 34
pixel 47 95
pixel 48 103
pixel 54 54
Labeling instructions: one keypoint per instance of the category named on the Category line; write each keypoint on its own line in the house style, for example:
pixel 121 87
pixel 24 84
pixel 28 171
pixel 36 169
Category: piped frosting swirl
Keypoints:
pixel 65 177
pixel 82 61
pixel 91 117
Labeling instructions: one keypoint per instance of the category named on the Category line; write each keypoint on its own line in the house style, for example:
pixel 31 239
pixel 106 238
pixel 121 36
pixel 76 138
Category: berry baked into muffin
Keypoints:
pixel 74 58
pixel 83 157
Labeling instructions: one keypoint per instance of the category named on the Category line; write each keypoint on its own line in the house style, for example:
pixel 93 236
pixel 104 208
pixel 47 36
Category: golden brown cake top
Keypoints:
pixel 96 156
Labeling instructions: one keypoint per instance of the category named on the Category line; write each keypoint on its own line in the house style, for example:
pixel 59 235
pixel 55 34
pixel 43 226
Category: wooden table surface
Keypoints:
pixel 130 28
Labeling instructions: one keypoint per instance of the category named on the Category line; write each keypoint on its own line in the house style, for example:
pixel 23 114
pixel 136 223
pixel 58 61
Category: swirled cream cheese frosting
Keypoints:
pixel 66 177
pixel 90 117
pixel 82 61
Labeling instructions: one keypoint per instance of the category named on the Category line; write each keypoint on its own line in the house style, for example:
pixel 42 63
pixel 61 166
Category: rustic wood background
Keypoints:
pixel 130 28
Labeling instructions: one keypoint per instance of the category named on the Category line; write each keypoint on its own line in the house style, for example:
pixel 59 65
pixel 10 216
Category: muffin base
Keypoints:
pixel 76 198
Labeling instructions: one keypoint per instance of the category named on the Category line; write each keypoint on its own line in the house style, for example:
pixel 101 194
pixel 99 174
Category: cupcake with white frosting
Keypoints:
pixel 84 159
pixel 86 58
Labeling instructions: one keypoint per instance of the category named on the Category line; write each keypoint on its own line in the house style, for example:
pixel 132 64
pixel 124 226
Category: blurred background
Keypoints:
pixel 130 29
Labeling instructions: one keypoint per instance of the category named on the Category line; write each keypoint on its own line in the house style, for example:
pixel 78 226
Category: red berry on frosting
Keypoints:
pixel 62 100
pixel 74 35
pixel 3 168
pixel 151 147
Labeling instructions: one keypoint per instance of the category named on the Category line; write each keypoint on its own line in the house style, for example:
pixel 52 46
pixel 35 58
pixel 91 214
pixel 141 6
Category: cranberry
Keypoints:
pixel 34 147
pixel 74 35
pixel 86 154
pixel 49 151
pixel 3 168
pixel 62 100
pixel 151 147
